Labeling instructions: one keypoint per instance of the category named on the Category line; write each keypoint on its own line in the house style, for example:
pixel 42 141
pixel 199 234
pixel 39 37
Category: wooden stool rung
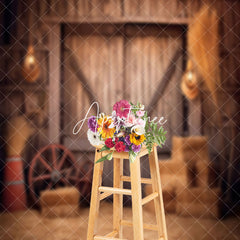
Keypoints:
pixel 115 190
pixel 112 234
pixel 143 180
pixel 149 198
pixel 148 226
pixel 104 195
pixel 107 238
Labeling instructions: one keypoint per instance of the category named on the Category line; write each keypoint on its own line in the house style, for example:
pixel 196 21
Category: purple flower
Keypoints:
pixel 92 124
pixel 127 140
pixel 118 122
pixel 126 148
pixel 136 148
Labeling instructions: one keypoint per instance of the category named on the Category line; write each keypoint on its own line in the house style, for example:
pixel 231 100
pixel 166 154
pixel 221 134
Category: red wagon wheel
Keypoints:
pixel 55 166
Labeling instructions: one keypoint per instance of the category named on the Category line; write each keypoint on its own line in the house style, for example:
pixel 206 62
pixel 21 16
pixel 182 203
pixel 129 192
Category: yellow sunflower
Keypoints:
pixel 137 139
pixel 104 129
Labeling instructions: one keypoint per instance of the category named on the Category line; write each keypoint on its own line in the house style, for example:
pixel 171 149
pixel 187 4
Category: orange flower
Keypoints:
pixel 104 129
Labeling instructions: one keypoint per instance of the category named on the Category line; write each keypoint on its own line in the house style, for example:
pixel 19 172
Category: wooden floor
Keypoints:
pixel 29 225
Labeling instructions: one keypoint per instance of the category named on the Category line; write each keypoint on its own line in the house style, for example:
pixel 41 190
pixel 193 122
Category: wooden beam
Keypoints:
pixel 117 20
pixel 9 48
pixel 54 83
pixel 164 81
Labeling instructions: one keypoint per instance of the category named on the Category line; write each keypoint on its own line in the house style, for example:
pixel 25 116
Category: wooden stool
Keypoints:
pixel 99 193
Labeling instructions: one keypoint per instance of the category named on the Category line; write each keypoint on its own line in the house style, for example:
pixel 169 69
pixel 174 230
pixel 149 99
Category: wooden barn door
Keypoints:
pixel 149 53
pixel 120 62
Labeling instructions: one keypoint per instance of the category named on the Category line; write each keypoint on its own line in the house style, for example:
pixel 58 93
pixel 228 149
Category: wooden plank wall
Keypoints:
pixel 101 61
pixel 126 65
pixel 112 52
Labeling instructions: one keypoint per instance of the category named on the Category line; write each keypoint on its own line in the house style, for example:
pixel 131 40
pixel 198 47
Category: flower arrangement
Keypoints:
pixel 126 130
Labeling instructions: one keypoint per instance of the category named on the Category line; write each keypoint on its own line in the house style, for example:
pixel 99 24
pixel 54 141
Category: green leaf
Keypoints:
pixel 104 148
pixel 154 128
pixel 106 157
pixel 132 156
pixel 109 156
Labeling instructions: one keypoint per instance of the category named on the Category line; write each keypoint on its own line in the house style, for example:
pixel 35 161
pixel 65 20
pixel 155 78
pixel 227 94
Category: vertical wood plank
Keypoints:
pixel 96 7
pixel 136 199
pixel 71 7
pixel 158 202
pixel 131 7
pixel 83 8
pixel 95 197
pixel 54 84
pixel 117 198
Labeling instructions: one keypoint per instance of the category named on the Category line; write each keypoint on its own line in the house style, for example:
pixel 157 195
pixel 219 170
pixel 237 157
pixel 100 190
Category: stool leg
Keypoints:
pixel 158 202
pixel 117 198
pixel 136 199
pixel 95 196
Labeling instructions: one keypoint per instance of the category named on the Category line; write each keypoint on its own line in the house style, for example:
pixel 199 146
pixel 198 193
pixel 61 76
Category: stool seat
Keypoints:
pixel 100 192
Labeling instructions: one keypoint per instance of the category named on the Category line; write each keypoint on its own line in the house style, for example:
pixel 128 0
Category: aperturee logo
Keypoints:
pixel 127 129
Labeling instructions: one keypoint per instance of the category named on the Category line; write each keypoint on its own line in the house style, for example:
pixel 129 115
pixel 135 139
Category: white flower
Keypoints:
pixel 138 129
pixel 120 134
pixel 141 122
pixel 94 138
pixel 141 107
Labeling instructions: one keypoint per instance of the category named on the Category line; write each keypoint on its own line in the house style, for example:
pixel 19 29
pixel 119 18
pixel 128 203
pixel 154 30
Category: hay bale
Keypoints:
pixel 202 174
pixel 172 182
pixel 198 202
pixel 61 202
pixel 198 194
pixel 173 175
pixel 194 152
pixel 60 196
pixel 195 149
pixel 190 149
pixel 172 167
pixel 177 153
pixel 169 199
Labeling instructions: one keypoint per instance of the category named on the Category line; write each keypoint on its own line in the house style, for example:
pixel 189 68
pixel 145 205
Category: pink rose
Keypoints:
pixel 131 120
pixel 140 113
pixel 140 122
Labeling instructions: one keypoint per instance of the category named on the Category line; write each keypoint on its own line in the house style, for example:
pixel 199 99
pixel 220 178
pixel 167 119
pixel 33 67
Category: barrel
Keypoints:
pixel 14 193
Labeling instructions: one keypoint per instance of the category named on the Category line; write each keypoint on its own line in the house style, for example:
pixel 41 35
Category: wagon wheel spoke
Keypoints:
pixel 56 172
pixel 85 188
pixel 41 177
pixel 49 186
pixel 54 156
pixel 62 160
pixel 65 181
pixel 88 175
pixel 66 172
pixel 74 178
pixel 45 163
